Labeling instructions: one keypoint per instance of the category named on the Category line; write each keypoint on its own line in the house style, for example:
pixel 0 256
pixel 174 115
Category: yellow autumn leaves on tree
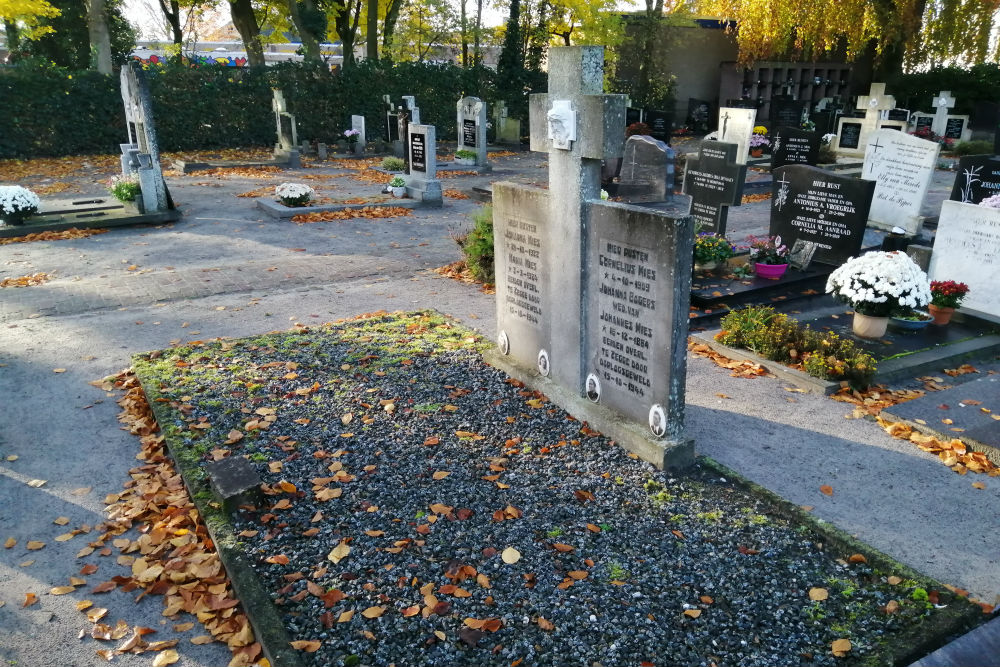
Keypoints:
pixel 27 15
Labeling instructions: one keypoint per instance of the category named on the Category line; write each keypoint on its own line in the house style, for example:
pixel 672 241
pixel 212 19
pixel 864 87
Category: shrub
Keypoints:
pixel 478 246
pixel 124 188
pixel 466 154
pixel 393 164
pixel 978 147
pixel 397 182
pixel 777 337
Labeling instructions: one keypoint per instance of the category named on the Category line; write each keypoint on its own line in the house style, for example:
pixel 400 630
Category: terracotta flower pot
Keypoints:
pixel 866 326
pixel 770 271
pixel 756 152
pixel 942 314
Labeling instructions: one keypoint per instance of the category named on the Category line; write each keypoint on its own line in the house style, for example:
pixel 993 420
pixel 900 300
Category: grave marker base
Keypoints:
pixel 96 218
pixel 665 454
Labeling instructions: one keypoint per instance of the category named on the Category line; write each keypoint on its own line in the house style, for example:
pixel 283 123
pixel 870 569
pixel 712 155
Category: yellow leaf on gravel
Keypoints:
pixel 893 580
pixel 202 639
pixel 978 485
pixel 440 474
pixel 84 604
pixel 346 616
pixel 62 590
pixel 693 613
pixel 510 555
pixel 34 545
pixel 61 521
pixel 309 646
pixel 373 612
pixel 840 647
pixel 36 483
pixel 65 537
pixel 339 553
pixel 9 543
pixel 818 594
pixel 168 657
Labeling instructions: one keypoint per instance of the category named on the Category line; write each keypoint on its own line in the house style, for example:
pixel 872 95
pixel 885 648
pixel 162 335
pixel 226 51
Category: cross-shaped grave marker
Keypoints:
pixel 714 180
pixel 942 103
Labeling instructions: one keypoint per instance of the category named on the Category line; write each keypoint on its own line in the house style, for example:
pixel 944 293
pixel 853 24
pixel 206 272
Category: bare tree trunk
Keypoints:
pixel 465 34
pixel 389 25
pixel 310 44
pixel 245 23
pixel 100 37
pixel 477 54
pixel 371 37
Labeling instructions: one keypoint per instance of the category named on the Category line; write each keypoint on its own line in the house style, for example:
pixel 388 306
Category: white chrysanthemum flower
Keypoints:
pixel 15 199
pixel 878 282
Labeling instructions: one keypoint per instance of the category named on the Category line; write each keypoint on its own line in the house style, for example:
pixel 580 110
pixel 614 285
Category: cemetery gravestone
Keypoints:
pixel 141 155
pixel 790 145
pixel 923 122
pixel 978 177
pixel 423 184
pixel 647 171
pixel 826 208
pixel 954 127
pixel 358 124
pixel 788 112
pixel 898 114
pixel 286 147
pixel 902 167
pixel 967 249
pixel 391 126
pixel 471 123
pixel 632 116
pixel 942 103
pixel 508 129
pixel 735 127
pixel 714 181
pixel 852 136
pixel 659 125
pixel 571 268
pixel 699 113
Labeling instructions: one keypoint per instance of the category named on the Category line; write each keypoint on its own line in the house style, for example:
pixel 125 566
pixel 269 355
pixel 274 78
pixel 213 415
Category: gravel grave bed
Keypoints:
pixel 421 508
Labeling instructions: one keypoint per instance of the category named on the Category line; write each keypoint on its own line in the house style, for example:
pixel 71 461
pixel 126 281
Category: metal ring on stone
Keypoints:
pixel 593 388
pixel 543 363
pixel 503 343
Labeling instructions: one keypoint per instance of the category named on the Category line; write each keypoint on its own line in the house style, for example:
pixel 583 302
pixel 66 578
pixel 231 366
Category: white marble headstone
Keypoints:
pixel 901 166
pixel 967 250
pixel 735 127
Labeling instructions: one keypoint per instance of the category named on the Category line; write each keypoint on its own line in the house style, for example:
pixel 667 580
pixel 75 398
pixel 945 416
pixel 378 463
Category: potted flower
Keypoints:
pixel 875 285
pixel 946 296
pixel 465 156
pixel 17 204
pixel 398 186
pixel 710 249
pixel 125 188
pixel 758 141
pixel 909 319
pixel 352 140
pixel 294 194
pixel 769 255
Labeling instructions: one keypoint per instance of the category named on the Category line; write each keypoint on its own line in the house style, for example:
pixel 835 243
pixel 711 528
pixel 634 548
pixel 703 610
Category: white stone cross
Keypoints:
pixel 942 103
pixel 875 102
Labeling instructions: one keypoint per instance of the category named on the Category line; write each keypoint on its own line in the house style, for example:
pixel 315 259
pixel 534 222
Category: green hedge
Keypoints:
pixel 52 112
pixel 917 91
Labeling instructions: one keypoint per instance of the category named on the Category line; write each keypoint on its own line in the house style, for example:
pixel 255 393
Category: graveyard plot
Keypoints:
pixel 417 506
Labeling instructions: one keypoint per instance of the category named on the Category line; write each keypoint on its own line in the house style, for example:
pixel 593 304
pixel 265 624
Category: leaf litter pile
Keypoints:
pixel 420 508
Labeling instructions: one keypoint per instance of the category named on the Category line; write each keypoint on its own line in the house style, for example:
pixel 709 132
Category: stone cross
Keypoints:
pixel 141 156
pixel 875 102
pixel 714 181
pixel 597 121
pixel 942 103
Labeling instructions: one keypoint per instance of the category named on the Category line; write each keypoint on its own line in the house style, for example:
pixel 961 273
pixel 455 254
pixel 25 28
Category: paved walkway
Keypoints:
pixel 225 270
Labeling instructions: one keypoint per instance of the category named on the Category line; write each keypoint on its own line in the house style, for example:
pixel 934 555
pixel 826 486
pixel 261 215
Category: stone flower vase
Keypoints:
pixel 866 326
pixel 942 314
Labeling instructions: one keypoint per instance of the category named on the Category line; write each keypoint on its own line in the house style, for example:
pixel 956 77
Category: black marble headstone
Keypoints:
pixel 924 122
pixel 418 153
pixel 469 132
pixel 787 112
pixel 632 115
pixel 978 177
pixel 954 127
pixel 699 115
pixel 790 145
pixel 659 124
pixel 714 180
pixel 898 114
pixel 850 134
pixel 811 204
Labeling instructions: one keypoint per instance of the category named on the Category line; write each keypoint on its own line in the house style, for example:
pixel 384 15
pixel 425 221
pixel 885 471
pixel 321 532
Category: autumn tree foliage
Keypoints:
pixel 901 33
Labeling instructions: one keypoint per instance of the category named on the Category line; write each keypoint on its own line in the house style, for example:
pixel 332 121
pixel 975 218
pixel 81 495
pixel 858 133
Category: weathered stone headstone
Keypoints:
pixel 471 123
pixel 714 180
pixel 141 155
pixel 647 170
pixel 824 207
pixel 978 177
pixel 593 295
pixel 736 127
pixel 286 148
pixel 423 184
pixel 790 145
pixel 967 249
pixel 902 167
pixel 358 123
pixel 508 129
pixel 942 104
pixel 852 135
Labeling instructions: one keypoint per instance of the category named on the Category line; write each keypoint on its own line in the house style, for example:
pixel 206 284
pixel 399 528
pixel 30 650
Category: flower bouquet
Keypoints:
pixel 294 194
pixel 767 250
pixel 17 203
pixel 352 136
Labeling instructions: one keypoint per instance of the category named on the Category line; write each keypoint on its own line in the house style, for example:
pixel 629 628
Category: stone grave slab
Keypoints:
pixel 902 166
pixel 830 209
pixel 647 170
pixel 714 180
pixel 471 124
pixel 965 402
pixel 638 269
pixel 977 178
pixel 967 249
pixel 119 216
pixel 736 126
pixel 791 145
pixel 63 206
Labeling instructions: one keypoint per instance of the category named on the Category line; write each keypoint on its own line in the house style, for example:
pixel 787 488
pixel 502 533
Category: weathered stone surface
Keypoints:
pixel 736 127
pixel 714 181
pixel 902 167
pixel 967 249
pixel 233 479
pixel 647 170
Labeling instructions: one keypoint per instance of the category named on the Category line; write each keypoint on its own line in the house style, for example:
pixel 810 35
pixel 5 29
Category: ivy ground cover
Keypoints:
pixel 421 508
